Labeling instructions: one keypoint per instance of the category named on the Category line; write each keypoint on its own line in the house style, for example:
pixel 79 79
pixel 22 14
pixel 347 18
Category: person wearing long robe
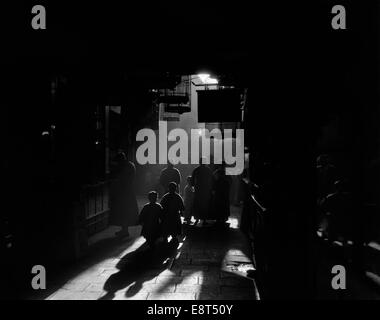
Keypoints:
pixel 150 218
pixel 327 175
pixel 221 196
pixel 202 180
pixel 189 200
pixel 339 207
pixel 170 174
pixel 123 202
pixel 173 207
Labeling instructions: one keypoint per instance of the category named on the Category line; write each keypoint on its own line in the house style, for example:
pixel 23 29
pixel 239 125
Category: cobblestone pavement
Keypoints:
pixel 207 263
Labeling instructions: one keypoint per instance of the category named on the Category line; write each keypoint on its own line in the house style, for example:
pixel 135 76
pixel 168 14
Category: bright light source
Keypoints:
pixel 203 77
pixel 212 81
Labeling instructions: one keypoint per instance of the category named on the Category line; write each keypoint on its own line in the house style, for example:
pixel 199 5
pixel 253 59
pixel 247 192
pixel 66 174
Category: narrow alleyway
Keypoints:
pixel 209 262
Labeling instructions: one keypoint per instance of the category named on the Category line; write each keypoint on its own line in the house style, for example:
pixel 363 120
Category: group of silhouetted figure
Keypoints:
pixel 206 197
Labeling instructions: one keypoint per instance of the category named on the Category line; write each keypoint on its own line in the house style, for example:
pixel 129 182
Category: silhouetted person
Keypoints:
pixel 123 201
pixel 170 174
pixel 327 175
pixel 189 200
pixel 221 199
pixel 243 186
pixel 150 218
pixel 173 206
pixel 202 181
pixel 339 207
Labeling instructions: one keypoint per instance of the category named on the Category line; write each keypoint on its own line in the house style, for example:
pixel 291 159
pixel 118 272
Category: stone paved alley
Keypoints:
pixel 208 263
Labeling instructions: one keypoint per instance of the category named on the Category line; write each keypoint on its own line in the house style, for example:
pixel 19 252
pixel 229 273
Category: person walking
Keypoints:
pixel 170 174
pixel 123 202
pixel 173 207
pixel 150 219
pixel 202 180
pixel 221 195
pixel 189 200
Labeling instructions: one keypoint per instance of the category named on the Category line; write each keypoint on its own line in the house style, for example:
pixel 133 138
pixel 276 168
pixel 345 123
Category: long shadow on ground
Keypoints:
pixel 138 267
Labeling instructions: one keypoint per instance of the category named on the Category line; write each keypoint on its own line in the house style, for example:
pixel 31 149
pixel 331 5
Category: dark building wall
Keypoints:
pixel 54 146
pixel 322 100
